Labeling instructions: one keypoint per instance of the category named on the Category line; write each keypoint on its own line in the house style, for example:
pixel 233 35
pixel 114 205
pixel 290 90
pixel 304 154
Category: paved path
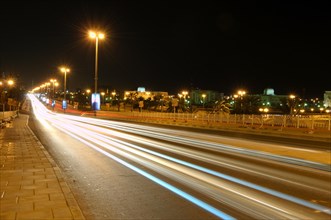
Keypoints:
pixel 32 186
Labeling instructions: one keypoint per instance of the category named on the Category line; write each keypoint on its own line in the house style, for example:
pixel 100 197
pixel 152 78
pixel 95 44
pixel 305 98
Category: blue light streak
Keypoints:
pixel 166 185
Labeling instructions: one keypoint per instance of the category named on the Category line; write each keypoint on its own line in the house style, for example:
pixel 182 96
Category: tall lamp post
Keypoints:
pixel 96 36
pixel 103 97
pixel 54 82
pixel 184 94
pixel 2 100
pixel 10 83
pixel 204 99
pixel 241 93
pixel 65 70
pixel 292 103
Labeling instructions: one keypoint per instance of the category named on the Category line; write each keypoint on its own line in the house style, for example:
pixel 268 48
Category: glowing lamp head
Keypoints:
pixel 92 34
pixel 65 70
pixel 101 36
pixel 10 82
pixel 98 35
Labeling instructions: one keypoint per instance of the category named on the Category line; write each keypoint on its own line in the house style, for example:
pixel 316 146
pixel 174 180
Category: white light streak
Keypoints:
pixel 117 138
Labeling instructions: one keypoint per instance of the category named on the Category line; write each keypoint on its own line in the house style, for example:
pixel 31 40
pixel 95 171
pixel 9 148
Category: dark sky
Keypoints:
pixel 166 45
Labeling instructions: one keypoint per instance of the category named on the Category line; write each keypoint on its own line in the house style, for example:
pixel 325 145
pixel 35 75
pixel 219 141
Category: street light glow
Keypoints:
pixel 95 35
pixel 65 70
pixel 242 92
pixel 10 82
pixel 92 34
pixel 204 99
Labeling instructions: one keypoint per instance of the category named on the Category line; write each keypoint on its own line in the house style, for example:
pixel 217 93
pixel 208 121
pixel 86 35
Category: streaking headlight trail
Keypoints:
pixel 161 151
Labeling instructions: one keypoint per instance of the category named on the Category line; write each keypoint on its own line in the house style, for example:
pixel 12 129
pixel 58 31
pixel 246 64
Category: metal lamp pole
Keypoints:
pixel 65 70
pixel 96 36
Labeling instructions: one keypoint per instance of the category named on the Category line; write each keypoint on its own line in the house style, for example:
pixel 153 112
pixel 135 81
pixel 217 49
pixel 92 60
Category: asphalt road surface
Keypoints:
pixel 120 170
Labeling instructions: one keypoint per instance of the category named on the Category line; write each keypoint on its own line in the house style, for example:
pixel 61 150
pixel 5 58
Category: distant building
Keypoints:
pixel 272 101
pixel 327 99
pixel 199 97
pixel 141 92
pixel 276 103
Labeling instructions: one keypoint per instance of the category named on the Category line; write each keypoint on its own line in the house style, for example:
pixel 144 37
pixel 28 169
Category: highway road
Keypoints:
pixel 122 170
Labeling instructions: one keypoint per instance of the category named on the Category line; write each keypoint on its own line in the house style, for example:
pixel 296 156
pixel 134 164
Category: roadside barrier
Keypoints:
pixel 312 122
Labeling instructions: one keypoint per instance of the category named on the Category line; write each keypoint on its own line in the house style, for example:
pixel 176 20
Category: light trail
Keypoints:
pixel 163 146
pixel 42 117
pixel 90 137
pixel 185 152
pixel 168 135
pixel 179 192
pixel 97 134
pixel 104 141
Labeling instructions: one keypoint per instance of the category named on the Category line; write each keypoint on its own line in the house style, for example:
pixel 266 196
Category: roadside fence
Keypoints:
pixel 312 122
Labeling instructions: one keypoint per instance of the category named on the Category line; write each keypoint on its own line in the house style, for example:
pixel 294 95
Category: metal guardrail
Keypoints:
pixel 286 121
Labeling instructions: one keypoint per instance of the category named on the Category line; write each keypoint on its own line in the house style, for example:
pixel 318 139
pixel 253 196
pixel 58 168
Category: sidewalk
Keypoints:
pixel 32 186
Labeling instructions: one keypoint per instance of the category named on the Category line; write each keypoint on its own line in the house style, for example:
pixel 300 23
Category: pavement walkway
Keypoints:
pixel 32 186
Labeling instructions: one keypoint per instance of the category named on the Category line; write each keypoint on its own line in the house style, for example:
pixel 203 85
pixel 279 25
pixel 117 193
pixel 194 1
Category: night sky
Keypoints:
pixel 166 45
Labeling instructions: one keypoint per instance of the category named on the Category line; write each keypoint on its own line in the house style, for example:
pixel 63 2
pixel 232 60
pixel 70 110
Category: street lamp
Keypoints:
pixel 96 36
pixel 10 82
pixel 203 99
pixel 88 91
pixel 185 94
pixel 3 94
pixel 241 93
pixel 65 70
pixel 292 103
pixel 56 84
pixel 103 97
pixel 53 81
pixel 47 90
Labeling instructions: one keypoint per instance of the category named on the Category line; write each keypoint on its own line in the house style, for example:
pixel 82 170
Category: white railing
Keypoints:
pixel 295 121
